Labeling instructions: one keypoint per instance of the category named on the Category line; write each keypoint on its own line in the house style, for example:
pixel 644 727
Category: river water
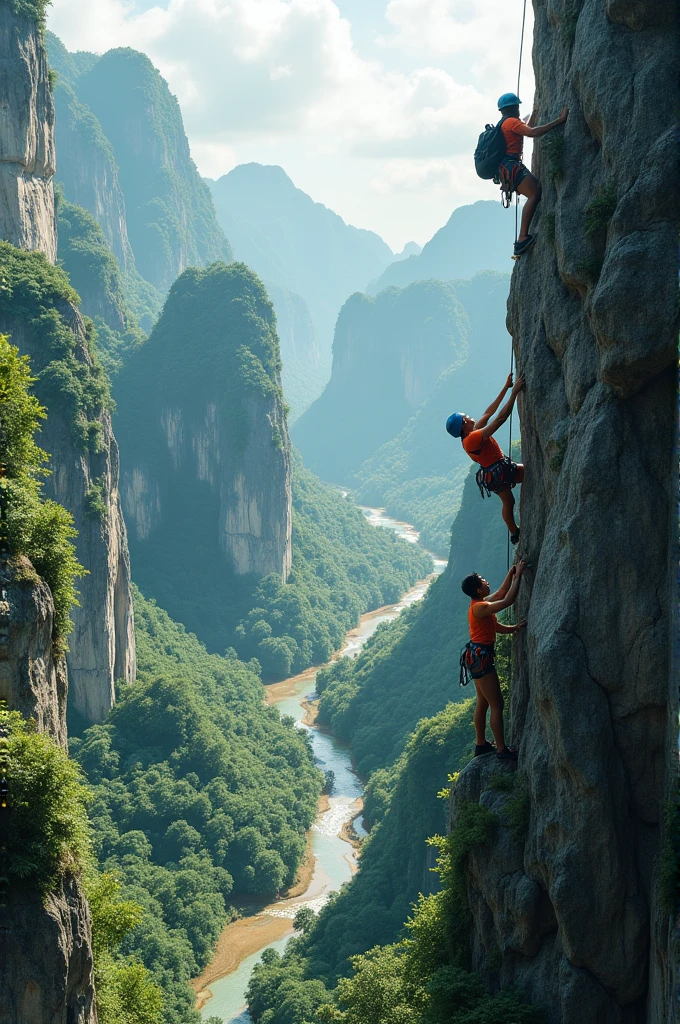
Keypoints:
pixel 335 858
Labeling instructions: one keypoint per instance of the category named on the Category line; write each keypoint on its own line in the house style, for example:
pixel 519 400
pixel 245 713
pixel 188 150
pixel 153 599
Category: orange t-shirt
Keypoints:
pixel 513 130
pixel 482 631
pixel 484 452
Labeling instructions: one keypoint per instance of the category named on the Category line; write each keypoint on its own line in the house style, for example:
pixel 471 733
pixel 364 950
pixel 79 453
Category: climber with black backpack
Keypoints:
pixel 499 157
pixel 497 474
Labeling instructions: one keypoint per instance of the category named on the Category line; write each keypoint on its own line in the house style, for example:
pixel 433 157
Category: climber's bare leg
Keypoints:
pixel 530 187
pixel 489 688
pixel 508 513
pixel 479 717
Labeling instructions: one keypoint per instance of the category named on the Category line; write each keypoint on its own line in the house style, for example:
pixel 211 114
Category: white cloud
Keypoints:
pixel 274 76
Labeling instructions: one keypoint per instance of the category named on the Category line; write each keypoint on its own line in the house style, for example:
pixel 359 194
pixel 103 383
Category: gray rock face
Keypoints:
pixel 253 485
pixel 102 645
pixel 32 679
pixel 593 318
pixel 26 137
pixel 46 958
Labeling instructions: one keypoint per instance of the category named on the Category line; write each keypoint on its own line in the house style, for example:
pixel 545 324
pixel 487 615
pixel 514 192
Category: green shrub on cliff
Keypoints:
pixel 422 979
pixel 93 271
pixel 35 9
pixel 38 299
pixel 49 832
pixel 29 525
pixel 199 791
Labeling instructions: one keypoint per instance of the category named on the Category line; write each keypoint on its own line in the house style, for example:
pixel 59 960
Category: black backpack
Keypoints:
pixel 490 150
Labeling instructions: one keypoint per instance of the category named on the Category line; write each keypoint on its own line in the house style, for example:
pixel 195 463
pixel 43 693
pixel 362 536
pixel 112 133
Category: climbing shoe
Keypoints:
pixel 487 748
pixel 507 754
pixel 521 247
pixel 514 538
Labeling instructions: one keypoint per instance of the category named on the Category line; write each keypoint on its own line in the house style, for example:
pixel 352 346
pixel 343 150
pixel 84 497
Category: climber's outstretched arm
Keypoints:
pixel 502 416
pixel 502 628
pixel 535 132
pixel 483 420
pixel 504 587
pixel 482 609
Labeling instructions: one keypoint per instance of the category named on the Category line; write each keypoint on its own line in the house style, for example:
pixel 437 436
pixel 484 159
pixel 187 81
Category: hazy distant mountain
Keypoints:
pixel 388 354
pixel 297 244
pixel 477 237
pixel 410 249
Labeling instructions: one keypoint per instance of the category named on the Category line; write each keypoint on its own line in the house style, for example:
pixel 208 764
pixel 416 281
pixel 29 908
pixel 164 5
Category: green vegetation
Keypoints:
pixel 38 299
pixel 559 450
pixel 46 799
pixel 125 991
pixel 409 668
pixel 404 338
pixel 94 273
pixel 94 500
pixel 199 790
pixel 31 526
pixel 342 567
pixel 600 209
pixel 422 979
pixel 553 148
pixel 35 9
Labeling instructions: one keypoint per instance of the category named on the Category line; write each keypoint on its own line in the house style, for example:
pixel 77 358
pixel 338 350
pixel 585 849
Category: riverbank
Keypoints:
pixel 333 844
pixel 257 927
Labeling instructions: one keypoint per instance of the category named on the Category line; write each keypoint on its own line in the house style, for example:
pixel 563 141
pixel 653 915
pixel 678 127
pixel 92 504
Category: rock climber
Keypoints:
pixel 479 655
pixel 513 176
pixel 498 473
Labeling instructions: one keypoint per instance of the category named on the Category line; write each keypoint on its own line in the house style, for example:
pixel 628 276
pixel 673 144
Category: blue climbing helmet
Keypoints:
pixel 454 424
pixel 508 99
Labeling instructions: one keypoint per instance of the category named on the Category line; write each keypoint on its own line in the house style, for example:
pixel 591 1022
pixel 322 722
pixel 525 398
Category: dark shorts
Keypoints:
pixel 496 477
pixel 512 172
pixel 479 659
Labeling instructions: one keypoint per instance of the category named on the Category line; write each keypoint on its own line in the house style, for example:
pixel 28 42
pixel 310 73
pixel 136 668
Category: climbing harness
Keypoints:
pixel 491 479
pixel 476 660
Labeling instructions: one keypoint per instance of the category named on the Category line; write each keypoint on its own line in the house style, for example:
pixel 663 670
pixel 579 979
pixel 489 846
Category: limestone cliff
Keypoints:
pixel 33 679
pixel 206 469
pixel 46 958
pixel 572 904
pixel 26 136
pixel 37 311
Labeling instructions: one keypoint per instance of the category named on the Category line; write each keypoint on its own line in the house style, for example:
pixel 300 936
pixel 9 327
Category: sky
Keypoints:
pixel 372 107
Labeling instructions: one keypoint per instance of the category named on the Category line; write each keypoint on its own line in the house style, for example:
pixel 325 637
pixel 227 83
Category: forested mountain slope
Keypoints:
pixel 303 252
pixel 418 475
pixel 208 492
pixel 388 353
pixel 475 238
pixel 125 158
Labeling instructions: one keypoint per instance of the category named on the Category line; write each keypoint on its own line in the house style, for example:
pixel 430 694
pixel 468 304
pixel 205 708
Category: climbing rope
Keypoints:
pixel 512 354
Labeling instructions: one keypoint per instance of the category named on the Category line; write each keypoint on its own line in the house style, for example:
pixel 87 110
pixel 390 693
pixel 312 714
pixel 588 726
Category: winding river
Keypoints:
pixel 221 989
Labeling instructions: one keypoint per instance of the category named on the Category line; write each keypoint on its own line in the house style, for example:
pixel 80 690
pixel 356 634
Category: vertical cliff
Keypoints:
pixel 206 476
pixel 38 310
pixel 27 155
pixel 171 222
pixel 46 960
pixel 573 903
